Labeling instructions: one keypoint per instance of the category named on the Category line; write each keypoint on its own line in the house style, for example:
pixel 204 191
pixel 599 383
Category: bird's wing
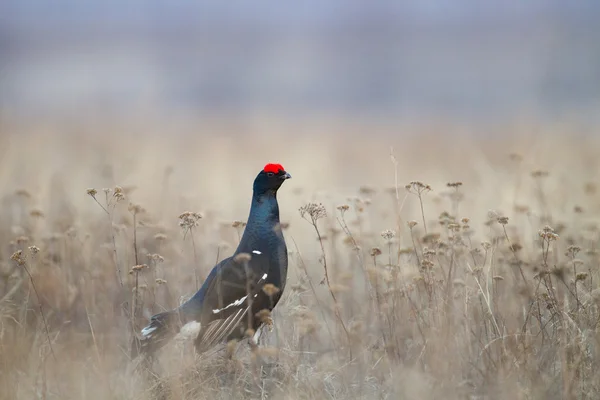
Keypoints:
pixel 227 302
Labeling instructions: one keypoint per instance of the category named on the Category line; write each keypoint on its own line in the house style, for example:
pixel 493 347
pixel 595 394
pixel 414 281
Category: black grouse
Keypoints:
pixel 238 288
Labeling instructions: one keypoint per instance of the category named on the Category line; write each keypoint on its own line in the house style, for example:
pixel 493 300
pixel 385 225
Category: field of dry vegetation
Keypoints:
pixel 464 261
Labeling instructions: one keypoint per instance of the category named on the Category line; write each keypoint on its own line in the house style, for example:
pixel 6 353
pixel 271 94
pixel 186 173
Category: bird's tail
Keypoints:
pixel 162 328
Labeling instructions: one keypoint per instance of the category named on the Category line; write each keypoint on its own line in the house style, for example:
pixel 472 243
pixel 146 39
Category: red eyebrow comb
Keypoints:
pixel 274 168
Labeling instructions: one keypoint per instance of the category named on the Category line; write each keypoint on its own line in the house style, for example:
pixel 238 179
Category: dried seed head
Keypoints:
pixel 547 233
pixel 412 224
pixel 36 213
pixel 270 289
pixel 137 268
pixel 92 192
pixel 388 234
pixel 189 220
pixel 375 251
pixel 242 258
pixel 581 276
pixel 455 185
pixel 572 250
pixel 503 220
pixel 23 193
pixel 18 257
pixel 157 258
pixel 343 208
pixel 263 315
pixel 231 346
pixel 160 237
pixel 427 252
pixel 160 281
pixel 515 247
pixel 135 208
pixel 238 224
pixel 315 211
pixel 34 249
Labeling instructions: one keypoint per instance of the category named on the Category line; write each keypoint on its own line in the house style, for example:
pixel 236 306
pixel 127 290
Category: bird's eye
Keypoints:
pixel 270 174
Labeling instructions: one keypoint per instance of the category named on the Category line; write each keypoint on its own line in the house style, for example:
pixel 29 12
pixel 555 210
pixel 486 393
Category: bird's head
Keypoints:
pixel 270 179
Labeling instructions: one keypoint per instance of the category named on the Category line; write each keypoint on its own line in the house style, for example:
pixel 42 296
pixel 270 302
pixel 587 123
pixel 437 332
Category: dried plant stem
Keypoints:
pixel 41 311
pixel 112 234
pixel 335 301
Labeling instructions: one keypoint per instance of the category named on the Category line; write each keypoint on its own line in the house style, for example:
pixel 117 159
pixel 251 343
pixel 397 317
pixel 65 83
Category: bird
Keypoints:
pixel 231 301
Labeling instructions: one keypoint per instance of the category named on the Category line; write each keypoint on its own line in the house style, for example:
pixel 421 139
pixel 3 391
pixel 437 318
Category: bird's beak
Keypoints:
pixel 287 176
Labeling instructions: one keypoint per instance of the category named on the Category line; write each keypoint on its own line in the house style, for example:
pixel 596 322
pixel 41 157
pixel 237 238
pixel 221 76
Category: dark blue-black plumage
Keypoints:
pixel 239 287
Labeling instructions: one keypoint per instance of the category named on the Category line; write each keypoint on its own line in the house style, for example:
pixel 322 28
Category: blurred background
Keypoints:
pixel 461 59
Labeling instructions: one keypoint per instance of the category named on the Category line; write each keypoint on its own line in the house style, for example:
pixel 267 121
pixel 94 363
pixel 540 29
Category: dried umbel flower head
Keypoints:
pixel 137 268
pixel 34 249
pixel 118 193
pixel 343 208
pixel 189 220
pixel 427 252
pixel 417 187
pixel 18 257
pixel 314 211
pixel 238 224
pixel 581 276
pixel 242 258
pixel 375 251
pixel 388 234
pixel 547 233
pixel 455 185
pixel 136 208
pixel 157 258
pixel 502 220
pixel 92 192
pixel 412 224
pixel 160 281
pixel 572 251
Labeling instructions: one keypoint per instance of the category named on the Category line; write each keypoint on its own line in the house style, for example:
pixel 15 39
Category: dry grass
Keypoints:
pixel 453 268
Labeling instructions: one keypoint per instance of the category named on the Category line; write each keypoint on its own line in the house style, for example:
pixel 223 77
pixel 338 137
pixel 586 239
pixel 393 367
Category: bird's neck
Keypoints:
pixel 264 216
pixel 264 208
